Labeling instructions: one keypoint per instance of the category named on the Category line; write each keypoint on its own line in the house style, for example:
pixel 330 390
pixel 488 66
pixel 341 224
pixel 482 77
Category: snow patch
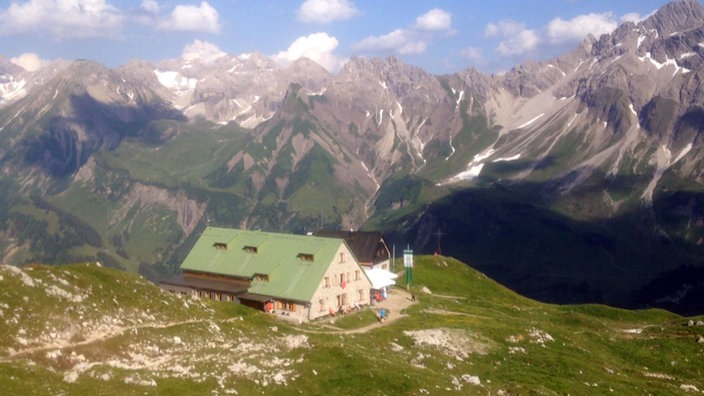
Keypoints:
pixel 532 120
pixel 663 161
pixel 322 91
pixel 12 89
pixel 668 62
pixel 175 81
pixel 504 159
pixel 371 175
pixel 452 152
pixel 474 168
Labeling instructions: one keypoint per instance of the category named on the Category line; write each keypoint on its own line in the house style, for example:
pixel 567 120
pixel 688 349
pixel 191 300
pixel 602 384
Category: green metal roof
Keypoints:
pixel 223 251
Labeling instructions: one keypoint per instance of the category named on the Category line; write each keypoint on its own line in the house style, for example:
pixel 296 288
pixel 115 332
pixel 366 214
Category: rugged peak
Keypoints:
pixel 677 16
pixel 257 60
pixel 9 67
pixel 308 66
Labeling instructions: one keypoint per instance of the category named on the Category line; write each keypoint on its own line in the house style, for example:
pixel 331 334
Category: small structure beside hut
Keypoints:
pixel 369 247
pixel 295 276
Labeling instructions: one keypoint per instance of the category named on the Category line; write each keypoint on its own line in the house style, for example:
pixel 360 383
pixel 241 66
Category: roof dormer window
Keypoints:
pixel 250 249
pixel 261 277
pixel 220 246
pixel 305 256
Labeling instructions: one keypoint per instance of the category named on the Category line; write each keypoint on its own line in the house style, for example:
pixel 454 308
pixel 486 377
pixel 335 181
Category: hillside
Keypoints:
pixel 571 180
pixel 83 328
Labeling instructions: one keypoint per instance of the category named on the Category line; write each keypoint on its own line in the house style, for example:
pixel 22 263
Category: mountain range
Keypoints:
pixel 574 179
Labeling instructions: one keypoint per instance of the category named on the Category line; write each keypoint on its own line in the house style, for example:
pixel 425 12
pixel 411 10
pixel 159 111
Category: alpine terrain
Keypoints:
pixel 574 179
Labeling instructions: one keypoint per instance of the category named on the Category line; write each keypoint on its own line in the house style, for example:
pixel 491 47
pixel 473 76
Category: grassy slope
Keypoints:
pixel 163 344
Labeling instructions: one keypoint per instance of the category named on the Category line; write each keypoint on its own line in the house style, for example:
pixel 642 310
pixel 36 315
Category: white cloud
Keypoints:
pixel 505 28
pixel 435 19
pixel 412 40
pixel 472 53
pixel 517 38
pixel 576 29
pixel 150 6
pixel 203 18
pixel 317 47
pixel 633 17
pixel 62 18
pixel 203 50
pixel 400 41
pixel 525 41
pixel 29 61
pixel 326 11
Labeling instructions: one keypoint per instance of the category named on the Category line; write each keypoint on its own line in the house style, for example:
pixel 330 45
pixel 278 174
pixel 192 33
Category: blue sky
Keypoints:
pixel 439 36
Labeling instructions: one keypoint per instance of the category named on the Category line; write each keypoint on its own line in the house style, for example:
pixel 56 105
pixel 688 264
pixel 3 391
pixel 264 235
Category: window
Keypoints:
pixel 343 299
pixel 327 282
pixel 321 305
pixel 342 278
pixel 357 275
pixel 360 295
pixel 305 256
pixel 250 249
pixel 342 257
pixel 348 277
pixel 220 246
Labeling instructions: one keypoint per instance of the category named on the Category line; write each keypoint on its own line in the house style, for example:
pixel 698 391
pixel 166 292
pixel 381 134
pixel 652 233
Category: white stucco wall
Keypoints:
pixel 332 294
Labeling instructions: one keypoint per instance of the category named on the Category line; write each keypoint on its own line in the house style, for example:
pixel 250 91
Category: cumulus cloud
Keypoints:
pixel 150 6
pixel 633 17
pixel 29 61
pixel 326 11
pixel 472 53
pixel 400 41
pixel 411 40
pixel 435 19
pixel 62 19
pixel 317 47
pixel 202 18
pixel 576 29
pixel 525 41
pixel 203 50
pixel 505 28
pixel 516 38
